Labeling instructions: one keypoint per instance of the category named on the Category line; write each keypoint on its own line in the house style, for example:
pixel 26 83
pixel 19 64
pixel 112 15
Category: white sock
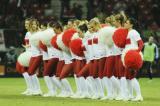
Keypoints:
pixel 95 86
pixel 49 84
pixel 83 85
pixel 27 80
pixel 57 82
pixel 136 86
pixel 67 85
pixel 108 85
pixel 99 87
pixel 116 85
pixel 130 89
pixel 124 88
pixel 90 85
pixel 77 84
pixel 36 83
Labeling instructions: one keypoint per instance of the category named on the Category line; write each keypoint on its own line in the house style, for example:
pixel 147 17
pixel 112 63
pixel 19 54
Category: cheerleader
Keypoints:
pixel 35 58
pixel 94 83
pixel 63 40
pixel 22 67
pixel 58 29
pixel 78 54
pixel 133 40
pixel 108 77
pixel 49 59
pixel 87 70
pixel 119 67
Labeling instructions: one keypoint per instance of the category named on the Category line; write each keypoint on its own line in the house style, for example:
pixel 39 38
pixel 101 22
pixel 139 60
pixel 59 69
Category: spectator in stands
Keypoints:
pixel 77 10
pixel 120 6
pixel 10 58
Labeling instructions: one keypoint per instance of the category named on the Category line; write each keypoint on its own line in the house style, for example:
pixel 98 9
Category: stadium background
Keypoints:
pixel 14 12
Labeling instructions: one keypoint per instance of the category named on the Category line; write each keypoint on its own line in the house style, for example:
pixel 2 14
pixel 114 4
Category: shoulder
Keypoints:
pixel 27 35
pixel 154 45
pixel 133 32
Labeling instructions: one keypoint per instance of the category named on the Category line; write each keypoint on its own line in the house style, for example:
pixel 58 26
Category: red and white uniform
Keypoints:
pixel 133 41
pixel 59 55
pixel 26 38
pixel 119 67
pixel 87 52
pixel 34 43
pixel 133 38
pixel 36 52
pixel 98 47
pixel 20 67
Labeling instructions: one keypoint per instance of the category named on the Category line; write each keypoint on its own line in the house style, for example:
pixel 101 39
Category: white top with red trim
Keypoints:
pixel 87 41
pixel 35 50
pixel 45 55
pixel 26 39
pixel 132 38
pixel 99 48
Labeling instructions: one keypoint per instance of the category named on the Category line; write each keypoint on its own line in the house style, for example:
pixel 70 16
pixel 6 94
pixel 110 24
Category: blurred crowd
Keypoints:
pixel 145 11
pixel 13 12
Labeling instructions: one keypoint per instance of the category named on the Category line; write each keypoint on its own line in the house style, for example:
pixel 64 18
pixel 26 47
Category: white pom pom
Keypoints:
pixel 105 35
pixel 61 44
pixel 24 58
pixel 47 36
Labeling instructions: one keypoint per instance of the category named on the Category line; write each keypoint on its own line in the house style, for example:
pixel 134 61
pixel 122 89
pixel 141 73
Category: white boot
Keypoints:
pixel 124 89
pixel 59 85
pixel 95 88
pixel 90 86
pixel 28 83
pixel 78 86
pixel 99 87
pixel 116 86
pixel 136 88
pixel 84 88
pixel 37 89
pixel 108 85
pixel 130 90
pixel 68 88
pixel 51 89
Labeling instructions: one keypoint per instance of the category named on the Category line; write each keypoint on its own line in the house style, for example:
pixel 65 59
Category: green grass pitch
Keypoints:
pixel 10 89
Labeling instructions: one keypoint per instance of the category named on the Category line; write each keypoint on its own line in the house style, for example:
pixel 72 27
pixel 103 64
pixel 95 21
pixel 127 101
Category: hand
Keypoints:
pixel 138 50
pixel 132 71
pixel 25 46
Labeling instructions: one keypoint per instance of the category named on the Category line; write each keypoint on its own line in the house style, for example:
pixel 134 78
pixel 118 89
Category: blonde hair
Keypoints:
pixel 96 23
pixel 31 23
pixel 120 18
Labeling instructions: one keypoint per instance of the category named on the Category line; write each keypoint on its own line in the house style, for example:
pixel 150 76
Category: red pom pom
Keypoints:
pixel 54 42
pixel 119 37
pixel 67 36
pixel 42 46
pixel 133 60
pixel 76 47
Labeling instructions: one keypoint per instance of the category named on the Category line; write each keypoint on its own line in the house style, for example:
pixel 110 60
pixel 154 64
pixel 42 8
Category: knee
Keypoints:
pixel 31 72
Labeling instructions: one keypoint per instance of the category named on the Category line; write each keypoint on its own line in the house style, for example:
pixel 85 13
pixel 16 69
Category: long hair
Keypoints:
pixel 135 23
pixel 83 28
pixel 57 25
